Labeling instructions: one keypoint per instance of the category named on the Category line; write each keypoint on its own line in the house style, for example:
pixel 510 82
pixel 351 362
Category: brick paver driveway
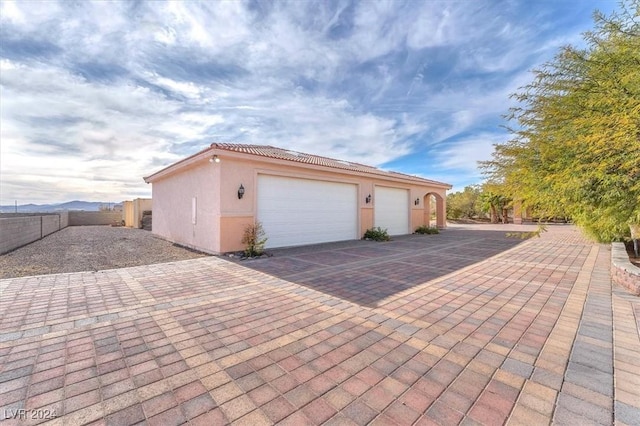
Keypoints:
pixel 465 326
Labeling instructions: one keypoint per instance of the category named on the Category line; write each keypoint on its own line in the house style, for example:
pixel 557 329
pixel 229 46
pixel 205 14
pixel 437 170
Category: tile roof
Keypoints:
pixel 300 157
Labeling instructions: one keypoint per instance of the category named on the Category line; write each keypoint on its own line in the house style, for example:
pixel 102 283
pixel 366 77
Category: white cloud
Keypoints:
pixel 464 153
pixel 28 16
pixel 97 94
pixel 79 135
pixel 186 89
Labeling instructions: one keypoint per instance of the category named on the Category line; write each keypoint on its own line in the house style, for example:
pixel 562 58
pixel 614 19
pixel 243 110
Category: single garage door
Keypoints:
pixel 391 209
pixel 302 211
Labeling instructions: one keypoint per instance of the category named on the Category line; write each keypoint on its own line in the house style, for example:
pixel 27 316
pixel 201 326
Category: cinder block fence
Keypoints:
pixel 78 218
pixel 17 230
pixel 20 229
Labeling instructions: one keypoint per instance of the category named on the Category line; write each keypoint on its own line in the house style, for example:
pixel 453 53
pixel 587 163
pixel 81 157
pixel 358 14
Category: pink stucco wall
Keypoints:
pixel 222 217
pixel 172 207
pixel 236 214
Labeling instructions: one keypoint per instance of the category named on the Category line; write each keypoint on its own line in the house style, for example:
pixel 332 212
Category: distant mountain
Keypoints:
pixel 90 206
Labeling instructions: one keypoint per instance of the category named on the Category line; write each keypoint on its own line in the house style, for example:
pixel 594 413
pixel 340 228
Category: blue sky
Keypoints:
pixel 96 95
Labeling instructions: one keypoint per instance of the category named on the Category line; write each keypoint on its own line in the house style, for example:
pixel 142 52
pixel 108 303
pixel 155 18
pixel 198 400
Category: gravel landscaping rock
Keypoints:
pixel 91 248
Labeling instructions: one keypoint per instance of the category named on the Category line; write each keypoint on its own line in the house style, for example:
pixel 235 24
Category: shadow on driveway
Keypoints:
pixel 366 272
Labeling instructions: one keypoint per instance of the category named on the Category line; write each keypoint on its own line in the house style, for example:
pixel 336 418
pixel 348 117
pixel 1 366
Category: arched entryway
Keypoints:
pixel 434 210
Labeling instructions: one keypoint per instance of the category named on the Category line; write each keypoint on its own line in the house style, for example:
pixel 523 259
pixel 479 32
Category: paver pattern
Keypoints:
pixel 463 327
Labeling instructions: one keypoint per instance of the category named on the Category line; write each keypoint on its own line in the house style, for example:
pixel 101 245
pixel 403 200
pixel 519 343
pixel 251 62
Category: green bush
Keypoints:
pixel 254 240
pixel 377 234
pixel 424 229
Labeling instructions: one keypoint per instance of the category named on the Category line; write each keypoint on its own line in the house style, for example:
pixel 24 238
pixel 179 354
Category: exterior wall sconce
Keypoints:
pixel 368 199
pixel 240 192
pixel 214 159
pixel 417 201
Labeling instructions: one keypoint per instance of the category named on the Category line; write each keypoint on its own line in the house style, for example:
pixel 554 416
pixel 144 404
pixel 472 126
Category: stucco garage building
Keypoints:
pixel 206 200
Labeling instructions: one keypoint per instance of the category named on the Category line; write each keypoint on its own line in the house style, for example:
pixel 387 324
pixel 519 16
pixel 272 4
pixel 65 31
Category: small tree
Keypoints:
pixel 464 204
pixel 490 203
pixel 254 240
pixel 493 199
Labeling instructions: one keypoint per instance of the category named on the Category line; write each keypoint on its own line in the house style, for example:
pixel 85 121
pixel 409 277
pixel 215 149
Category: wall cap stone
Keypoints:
pixel 622 265
pixel 620 259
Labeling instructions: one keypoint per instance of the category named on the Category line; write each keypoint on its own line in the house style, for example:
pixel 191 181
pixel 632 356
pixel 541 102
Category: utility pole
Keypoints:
pixel 16 206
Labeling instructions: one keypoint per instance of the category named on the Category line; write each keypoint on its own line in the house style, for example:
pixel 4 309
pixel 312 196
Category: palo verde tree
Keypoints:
pixel 493 201
pixel 464 204
pixel 575 145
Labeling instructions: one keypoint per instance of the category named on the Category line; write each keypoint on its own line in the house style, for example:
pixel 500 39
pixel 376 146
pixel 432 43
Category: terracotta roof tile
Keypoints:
pixel 300 157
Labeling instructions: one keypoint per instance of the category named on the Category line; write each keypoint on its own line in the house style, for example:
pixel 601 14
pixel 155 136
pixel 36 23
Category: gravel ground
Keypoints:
pixel 90 248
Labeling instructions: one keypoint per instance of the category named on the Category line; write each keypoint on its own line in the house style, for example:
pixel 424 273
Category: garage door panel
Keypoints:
pixel 302 211
pixel 391 210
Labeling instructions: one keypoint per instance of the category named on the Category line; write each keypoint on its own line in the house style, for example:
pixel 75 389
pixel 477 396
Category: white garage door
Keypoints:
pixel 301 211
pixel 391 210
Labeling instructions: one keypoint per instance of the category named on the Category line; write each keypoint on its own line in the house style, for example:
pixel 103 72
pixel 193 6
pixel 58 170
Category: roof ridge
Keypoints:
pixel 319 160
pixel 240 145
pixel 231 144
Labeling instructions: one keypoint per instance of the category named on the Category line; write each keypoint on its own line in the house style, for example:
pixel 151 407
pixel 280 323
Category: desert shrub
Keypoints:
pixel 424 229
pixel 254 240
pixel 377 234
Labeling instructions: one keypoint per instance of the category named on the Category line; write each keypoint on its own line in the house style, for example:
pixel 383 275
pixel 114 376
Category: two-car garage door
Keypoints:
pixel 303 211
pixel 296 211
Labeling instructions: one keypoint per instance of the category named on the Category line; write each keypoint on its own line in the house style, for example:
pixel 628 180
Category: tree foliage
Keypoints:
pixel 575 146
pixel 464 204
pixel 493 201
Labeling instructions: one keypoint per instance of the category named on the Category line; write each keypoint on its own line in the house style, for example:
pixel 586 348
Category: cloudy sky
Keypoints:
pixel 96 95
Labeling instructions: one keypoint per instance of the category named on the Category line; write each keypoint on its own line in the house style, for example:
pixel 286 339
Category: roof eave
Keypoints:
pixel 393 176
pixel 185 162
pixel 217 149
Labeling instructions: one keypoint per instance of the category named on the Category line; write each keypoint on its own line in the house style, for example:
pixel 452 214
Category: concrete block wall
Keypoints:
pixel 78 218
pixel 132 211
pixel 64 219
pixel 20 229
pixel 50 224
pixel 623 271
pixel 127 214
pixel 17 231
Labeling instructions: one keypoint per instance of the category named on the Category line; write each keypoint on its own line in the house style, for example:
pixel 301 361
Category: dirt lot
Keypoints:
pixel 90 248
